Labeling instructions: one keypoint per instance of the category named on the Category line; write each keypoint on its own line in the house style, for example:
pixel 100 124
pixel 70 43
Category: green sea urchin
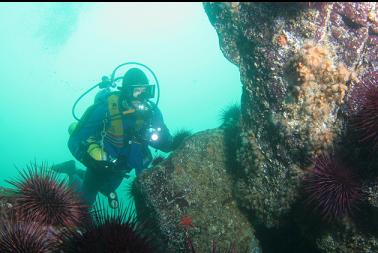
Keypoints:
pixel 179 137
pixel 230 115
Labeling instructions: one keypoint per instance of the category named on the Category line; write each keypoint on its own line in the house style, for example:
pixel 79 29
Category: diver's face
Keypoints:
pixel 136 99
pixel 138 91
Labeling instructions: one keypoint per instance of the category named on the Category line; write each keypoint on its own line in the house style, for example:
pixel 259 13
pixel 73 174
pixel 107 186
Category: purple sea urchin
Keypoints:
pixel 42 198
pixel 364 103
pixel 333 188
pixel 25 238
pixel 116 231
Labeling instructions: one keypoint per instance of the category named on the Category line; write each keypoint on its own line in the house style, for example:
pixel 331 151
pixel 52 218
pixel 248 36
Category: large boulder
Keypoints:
pixel 189 197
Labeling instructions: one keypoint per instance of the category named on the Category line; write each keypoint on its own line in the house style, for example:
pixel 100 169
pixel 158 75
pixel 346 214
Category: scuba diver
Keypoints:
pixel 113 137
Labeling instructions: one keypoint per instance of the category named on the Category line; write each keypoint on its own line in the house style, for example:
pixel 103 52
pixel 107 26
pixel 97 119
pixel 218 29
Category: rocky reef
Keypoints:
pixel 298 170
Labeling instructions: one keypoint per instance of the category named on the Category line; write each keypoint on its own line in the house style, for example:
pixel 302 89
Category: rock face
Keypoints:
pixel 296 63
pixel 189 196
pixel 299 63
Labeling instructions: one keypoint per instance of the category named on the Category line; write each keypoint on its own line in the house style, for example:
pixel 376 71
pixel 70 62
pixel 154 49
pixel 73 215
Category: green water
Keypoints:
pixel 50 53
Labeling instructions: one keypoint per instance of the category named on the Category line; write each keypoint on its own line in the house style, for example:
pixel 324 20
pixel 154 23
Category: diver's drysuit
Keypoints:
pixel 111 138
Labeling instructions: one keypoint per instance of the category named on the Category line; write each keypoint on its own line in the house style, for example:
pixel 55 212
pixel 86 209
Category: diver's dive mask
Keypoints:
pixel 144 92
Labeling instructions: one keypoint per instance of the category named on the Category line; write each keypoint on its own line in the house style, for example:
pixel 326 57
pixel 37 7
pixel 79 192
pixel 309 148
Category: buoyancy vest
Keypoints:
pixel 116 133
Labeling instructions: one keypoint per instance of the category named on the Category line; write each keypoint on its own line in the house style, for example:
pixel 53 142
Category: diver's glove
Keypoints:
pixel 120 167
pixel 94 158
pixel 101 167
pixel 97 166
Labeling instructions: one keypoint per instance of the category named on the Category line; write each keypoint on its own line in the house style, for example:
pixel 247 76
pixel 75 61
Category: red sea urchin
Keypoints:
pixel 333 188
pixel 116 231
pixel 25 238
pixel 364 106
pixel 42 198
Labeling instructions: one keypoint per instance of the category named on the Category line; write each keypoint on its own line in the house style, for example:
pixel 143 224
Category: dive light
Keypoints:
pixel 153 134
